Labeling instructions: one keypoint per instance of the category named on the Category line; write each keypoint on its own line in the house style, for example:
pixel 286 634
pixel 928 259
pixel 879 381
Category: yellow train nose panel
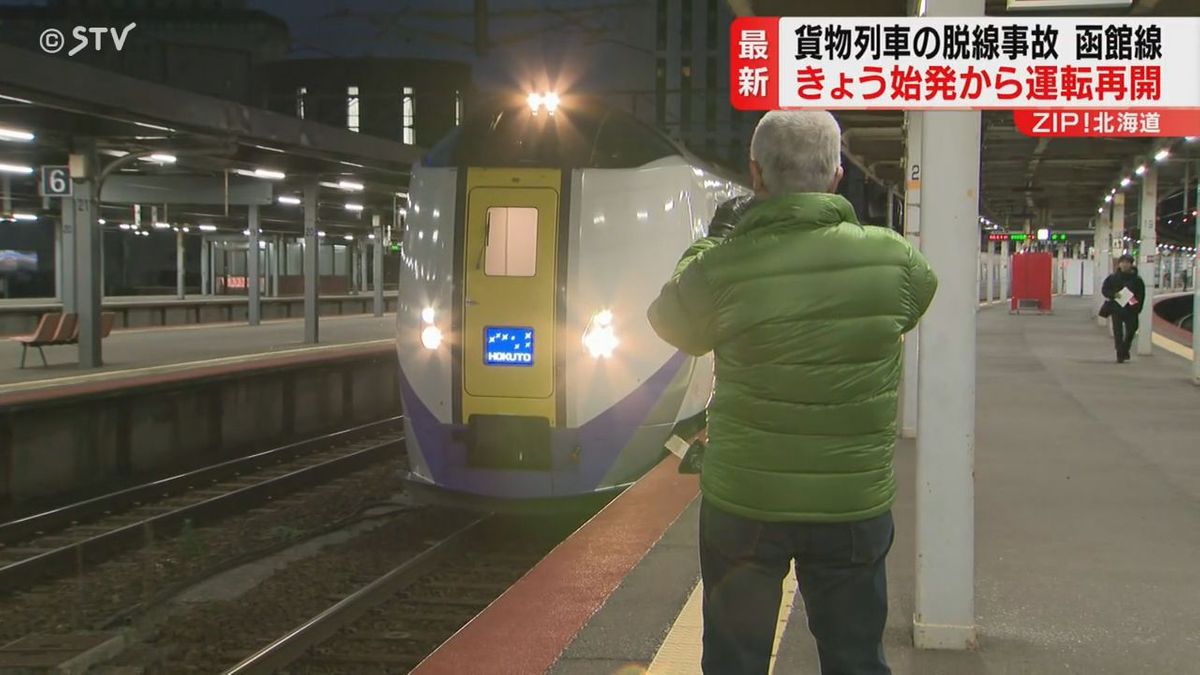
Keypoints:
pixel 509 270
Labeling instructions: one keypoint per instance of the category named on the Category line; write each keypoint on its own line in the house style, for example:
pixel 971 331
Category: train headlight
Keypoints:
pixel 431 337
pixel 535 103
pixel 600 338
pixel 427 315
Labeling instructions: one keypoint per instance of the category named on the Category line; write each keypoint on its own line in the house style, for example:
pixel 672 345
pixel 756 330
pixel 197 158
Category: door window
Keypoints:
pixel 511 248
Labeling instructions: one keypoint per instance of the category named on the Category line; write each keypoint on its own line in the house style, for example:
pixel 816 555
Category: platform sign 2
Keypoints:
pixel 56 182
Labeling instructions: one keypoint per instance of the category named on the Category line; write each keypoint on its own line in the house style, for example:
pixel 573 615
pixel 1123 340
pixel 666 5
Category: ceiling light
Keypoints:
pixel 350 186
pixel 1125 182
pixel 208 228
pixel 1161 155
pixel 321 233
pixel 162 226
pixel 160 157
pixel 348 237
pixel 27 217
pixel 1107 198
pixel 267 174
pixel 286 199
pixel 15 135
pixel 353 207
pixel 16 168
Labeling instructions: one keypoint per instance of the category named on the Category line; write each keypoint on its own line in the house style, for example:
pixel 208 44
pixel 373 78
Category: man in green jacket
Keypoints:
pixel 804 309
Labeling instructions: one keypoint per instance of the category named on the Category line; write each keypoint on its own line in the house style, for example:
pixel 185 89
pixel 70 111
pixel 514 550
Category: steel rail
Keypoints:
pixel 106 505
pixel 294 645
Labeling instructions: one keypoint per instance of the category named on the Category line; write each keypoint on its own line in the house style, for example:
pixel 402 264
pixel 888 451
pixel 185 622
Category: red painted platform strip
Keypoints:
pixel 526 629
pixel 117 382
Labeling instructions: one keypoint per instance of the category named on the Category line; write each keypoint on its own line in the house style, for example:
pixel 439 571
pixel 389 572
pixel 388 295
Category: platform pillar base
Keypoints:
pixel 935 636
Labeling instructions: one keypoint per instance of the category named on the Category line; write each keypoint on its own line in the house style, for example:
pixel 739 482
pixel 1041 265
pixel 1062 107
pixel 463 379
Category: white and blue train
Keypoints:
pixel 537 235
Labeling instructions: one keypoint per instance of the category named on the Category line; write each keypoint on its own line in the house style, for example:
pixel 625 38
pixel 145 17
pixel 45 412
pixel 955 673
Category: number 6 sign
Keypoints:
pixel 56 182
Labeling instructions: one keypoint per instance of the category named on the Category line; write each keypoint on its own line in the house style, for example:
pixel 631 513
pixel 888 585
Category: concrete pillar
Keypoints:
pixel 179 290
pixel 311 267
pixel 377 268
pixel 1058 269
pixel 87 257
pixel 1005 269
pixel 912 232
pixel 1196 292
pixel 67 270
pixel 205 277
pixel 364 246
pixel 253 292
pixel 944 613
pixel 276 265
pixel 1146 260
pixel 1102 257
pixel 989 266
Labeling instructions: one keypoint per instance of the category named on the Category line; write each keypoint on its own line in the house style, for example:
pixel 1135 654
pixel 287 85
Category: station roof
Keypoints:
pixel 63 102
pixel 1019 175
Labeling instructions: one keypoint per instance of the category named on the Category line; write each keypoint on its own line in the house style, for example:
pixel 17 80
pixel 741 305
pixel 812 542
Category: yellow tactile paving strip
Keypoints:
pixel 680 652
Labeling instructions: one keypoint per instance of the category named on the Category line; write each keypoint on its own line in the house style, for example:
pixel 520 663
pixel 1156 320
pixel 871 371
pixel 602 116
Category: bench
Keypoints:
pixel 56 329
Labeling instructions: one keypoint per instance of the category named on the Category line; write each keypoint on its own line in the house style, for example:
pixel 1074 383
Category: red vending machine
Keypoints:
pixel 1031 282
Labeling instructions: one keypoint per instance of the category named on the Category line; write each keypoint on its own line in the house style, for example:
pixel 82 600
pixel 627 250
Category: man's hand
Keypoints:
pixel 728 214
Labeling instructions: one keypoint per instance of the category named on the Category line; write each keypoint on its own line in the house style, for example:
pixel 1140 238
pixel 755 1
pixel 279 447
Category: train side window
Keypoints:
pixel 511 244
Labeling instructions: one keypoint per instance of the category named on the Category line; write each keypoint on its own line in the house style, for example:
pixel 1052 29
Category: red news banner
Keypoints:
pixel 1059 76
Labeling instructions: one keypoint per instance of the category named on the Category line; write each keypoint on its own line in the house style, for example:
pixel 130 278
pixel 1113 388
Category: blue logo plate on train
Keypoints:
pixel 508 346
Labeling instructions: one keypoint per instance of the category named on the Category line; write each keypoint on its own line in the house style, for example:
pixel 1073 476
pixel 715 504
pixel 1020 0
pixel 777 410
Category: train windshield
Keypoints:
pixel 582 137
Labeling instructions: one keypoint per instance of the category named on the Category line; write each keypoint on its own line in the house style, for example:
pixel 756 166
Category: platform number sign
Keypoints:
pixel 56 181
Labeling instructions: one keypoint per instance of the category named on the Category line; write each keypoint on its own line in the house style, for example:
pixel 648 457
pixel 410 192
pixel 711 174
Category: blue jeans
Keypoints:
pixel 841 574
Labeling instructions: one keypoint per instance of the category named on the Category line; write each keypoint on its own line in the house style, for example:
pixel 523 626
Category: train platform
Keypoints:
pixel 19 316
pixel 140 355
pixel 1087 482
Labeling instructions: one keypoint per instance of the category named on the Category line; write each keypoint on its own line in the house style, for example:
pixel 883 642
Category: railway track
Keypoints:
pixel 55 542
pixel 391 624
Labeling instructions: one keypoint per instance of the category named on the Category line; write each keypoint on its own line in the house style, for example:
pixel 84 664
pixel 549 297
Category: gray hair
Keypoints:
pixel 797 150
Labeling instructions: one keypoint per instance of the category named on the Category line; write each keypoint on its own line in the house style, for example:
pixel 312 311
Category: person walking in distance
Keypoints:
pixel 804 309
pixel 1125 292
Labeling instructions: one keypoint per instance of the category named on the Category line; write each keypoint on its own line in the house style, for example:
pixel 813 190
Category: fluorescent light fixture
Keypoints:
pixel 1100 210
pixel 160 157
pixel 103 221
pixel 246 232
pixel 1071 5
pixel 1161 155
pixel 266 174
pixel 185 229
pixel 350 186
pixel 1141 170
pixel 348 237
pixel 124 226
pixel 153 126
pixel 1107 198
pixel 16 168
pixel 359 166
pixel 14 98
pixel 321 233
pixel 286 199
pixel 402 195
pixel 353 207
pixel 1190 139
pixel 1125 182
pixel 268 148
pixel 208 228
pixel 162 226
pixel 370 236
pixel 15 135
pixel 27 217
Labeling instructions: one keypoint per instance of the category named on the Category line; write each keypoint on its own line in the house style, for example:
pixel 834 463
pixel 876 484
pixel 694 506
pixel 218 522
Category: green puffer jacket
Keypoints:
pixel 804 309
